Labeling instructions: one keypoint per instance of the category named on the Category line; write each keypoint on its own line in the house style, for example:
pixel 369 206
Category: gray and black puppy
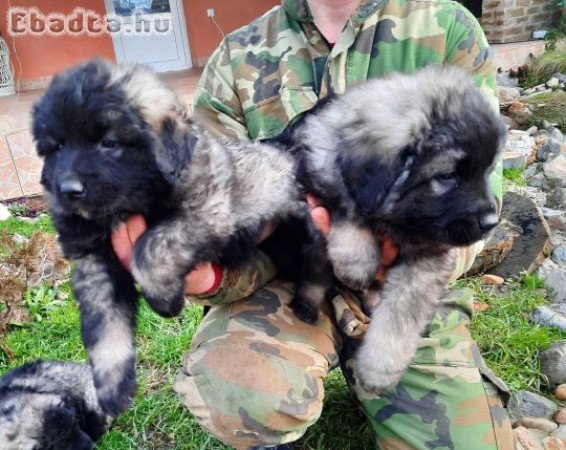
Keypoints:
pixel 116 142
pixel 50 405
pixel 409 156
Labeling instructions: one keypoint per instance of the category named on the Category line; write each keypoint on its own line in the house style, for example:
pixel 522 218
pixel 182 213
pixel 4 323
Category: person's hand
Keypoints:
pixel 197 282
pixel 388 250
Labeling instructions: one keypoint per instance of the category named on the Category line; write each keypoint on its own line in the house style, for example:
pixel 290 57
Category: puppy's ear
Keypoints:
pixel 175 149
pixel 370 178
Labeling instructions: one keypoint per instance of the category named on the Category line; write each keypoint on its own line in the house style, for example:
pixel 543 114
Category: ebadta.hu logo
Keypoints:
pixel 129 17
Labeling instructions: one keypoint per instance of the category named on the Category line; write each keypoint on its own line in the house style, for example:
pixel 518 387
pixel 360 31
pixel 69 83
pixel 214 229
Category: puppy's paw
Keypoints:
pixel 115 399
pixel 354 254
pixel 304 310
pixel 374 374
pixel 163 291
pixel 355 277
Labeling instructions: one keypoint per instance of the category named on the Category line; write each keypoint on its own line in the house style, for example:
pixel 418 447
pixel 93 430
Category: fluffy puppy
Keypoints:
pixel 116 142
pixel 50 406
pixel 408 156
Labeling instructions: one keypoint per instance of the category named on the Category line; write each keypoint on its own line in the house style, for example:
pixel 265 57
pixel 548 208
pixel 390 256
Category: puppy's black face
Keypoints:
pixel 99 153
pixel 446 197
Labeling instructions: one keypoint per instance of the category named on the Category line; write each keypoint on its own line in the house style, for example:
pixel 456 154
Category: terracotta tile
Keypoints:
pixel 9 186
pixel 21 144
pixel 27 163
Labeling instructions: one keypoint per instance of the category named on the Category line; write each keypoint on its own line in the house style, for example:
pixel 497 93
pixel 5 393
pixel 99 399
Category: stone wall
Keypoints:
pixel 514 20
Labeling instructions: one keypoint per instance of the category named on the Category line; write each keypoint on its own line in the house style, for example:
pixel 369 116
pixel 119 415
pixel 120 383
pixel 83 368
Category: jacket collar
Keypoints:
pixel 299 10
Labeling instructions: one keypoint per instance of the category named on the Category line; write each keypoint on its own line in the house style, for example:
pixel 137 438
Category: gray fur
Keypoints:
pixel 386 157
pixel 50 406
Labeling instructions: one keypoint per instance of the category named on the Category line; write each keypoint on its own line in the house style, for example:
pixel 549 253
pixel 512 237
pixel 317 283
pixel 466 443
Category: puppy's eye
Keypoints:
pixel 109 143
pixel 442 183
pixel 445 178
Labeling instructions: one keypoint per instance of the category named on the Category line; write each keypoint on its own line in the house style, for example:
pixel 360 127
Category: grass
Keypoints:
pixel 508 340
pixel 515 176
pixel 550 107
pixel 15 225
pixel 543 67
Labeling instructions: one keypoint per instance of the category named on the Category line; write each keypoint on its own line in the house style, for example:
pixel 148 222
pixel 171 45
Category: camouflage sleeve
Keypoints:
pixel 217 106
pixel 240 283
pixel 467 48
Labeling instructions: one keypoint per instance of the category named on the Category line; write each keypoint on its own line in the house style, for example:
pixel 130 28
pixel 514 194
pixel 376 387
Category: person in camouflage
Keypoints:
pixel 254 375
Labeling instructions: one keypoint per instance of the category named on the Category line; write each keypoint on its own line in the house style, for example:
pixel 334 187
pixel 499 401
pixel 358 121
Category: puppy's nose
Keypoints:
pixel 488 221
pixel 73 189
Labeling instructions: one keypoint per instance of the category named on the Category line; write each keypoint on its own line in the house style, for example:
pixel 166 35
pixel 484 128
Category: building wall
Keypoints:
pixel 204 36
pixel 506 21
pixel 42 56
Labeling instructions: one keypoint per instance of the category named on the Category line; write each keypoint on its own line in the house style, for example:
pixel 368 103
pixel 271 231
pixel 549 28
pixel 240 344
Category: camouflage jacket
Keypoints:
pixel 265 75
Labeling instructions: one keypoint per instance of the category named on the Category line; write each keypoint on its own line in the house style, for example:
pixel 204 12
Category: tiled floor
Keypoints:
pixel 19 166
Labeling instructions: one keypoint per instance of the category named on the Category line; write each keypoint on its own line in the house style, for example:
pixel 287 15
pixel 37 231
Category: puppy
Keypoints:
pixel 50 406
pixel 409 156
pixel 116 142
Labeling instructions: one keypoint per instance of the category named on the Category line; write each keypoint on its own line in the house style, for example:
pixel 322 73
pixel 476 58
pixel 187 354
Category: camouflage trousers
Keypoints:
pixel 254 376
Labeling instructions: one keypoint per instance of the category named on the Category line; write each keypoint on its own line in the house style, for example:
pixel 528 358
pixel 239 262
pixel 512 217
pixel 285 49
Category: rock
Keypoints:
pixel 534 194
pixel 560 432
pixel 553 443
pixel 523 116
pixel 548 150
pixel 5 213
pixel 530 172
pixel 549 212
pixel 555 133
pixel 559 255
pixel 553 363
pixel 560 392
pixel 508 95
pixel 510 122
pixel 531 131
pixel 514 160
pixel 549 317
pixel 560 416
pixel 529 404
pixel 519 141
pixel 496 247
pixel 533 245
pixel 557 198
pixel 556 223
pixel 538 181
pixel 553 82
pixel 492 279
pixel 503 79
pixel 554 277
pixel 536 423
pixel 560 76
pixel 515 107
pixel 526 439
pixel 556 169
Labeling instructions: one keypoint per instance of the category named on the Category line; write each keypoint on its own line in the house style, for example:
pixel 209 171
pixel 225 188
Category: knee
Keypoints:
pixel 249 397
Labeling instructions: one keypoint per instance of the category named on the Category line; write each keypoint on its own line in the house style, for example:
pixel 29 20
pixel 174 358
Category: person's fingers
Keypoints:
pixel 136 226
pixel 312 201
pixel 200 280
pixel 321 219
pixel 388 255
pixel 125 236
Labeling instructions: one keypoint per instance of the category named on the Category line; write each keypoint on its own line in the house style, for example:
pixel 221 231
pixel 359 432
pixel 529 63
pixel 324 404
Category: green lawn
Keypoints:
pixel 510 343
